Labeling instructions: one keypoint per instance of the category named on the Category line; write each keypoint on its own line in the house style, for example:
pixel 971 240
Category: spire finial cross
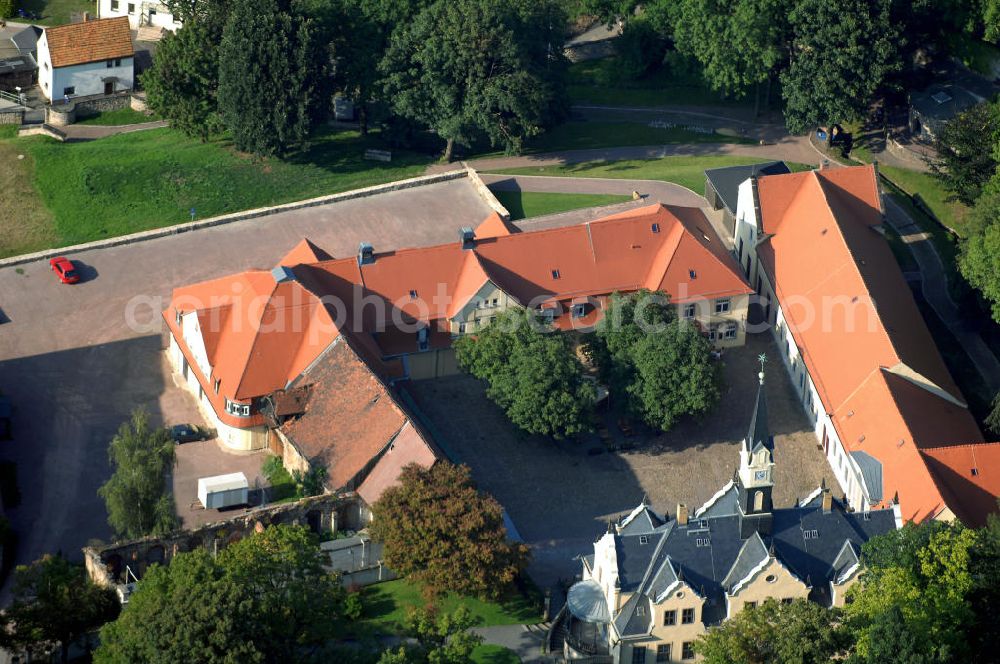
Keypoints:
pixel 762 358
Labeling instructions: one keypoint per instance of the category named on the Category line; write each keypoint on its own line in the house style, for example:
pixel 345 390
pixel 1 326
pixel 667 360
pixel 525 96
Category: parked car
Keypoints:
pixel 189 433
pixel 65 270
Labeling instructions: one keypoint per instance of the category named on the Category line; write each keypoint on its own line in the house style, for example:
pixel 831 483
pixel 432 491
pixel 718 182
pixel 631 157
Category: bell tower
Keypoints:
pixel 755 475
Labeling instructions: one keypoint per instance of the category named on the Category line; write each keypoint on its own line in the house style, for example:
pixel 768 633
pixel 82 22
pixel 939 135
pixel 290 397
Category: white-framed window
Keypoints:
pixel 237 409
pixel 730 332
pixel 114 5
pixel 579 310
pixel 689 311
pixel 131 9
pixel 495 302
pixel 687 616
pixel 461 328
pixel 722 305
pixel 71 90
pixel 713 332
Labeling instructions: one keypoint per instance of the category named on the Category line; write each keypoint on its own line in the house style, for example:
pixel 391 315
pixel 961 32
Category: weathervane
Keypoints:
pixel 762 358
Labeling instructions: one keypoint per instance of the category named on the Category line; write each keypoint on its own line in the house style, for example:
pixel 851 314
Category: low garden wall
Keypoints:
pixel 14 116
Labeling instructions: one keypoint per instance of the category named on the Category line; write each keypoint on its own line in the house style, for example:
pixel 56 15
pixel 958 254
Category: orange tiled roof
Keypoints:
pixel 407 447
pixel 495 226
pixel 971 475
pixel 90 41
pixel 304 252
pixel 857 327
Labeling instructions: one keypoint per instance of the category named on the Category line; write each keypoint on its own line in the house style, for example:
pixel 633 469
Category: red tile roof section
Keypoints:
pixel 969 475
pixel 90 41
pixel 854 320
pixel 495 226
pixel 408 447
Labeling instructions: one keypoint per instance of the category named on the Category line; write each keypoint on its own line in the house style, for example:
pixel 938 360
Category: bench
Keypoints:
pixel 378 155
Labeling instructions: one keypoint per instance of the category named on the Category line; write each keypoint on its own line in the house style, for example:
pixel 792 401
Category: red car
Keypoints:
pixel 63 267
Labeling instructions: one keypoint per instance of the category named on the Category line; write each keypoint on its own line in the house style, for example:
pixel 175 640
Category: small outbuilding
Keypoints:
pixel 722 185
pixel 223 491
pixel 955 89
pixel 83 59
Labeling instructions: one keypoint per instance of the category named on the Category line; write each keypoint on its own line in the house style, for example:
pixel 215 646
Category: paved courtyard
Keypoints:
pixel 205 459
pixel 560 495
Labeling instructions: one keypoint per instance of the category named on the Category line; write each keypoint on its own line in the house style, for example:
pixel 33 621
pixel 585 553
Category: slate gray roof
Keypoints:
pixel 751 555
pixel 845 562
pixel 629 622
pixel 724 503
pixel 26 40
pixel 758 434
pixel 642 520
pixel 709 555
pixel 726 181
pixel 871 474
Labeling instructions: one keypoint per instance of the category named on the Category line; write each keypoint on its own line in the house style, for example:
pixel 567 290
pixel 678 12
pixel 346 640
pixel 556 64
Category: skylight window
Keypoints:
pixel 656 228
pixel 413 294
pixel 694 275
pixel 555 274
pixel 975 472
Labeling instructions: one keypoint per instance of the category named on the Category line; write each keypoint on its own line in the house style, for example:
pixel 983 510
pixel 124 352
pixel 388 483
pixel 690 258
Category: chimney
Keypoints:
pixel 825 164
pixel 366 254
pixel 682 514
pixel 468 237
pixel 827 498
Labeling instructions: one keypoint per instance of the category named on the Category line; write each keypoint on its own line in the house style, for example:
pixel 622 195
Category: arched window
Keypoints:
pixel 758 501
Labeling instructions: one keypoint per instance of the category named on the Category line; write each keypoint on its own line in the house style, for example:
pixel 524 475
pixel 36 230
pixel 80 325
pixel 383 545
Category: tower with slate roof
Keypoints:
pixel 754 479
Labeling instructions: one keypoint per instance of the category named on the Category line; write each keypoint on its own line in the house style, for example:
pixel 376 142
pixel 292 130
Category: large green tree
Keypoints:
pixel 188 607
pixel 439 529
pixel 979 259
pixel 137 495
pixel 441 638
pixel 265 598
pixel 54 604
pixel 841 55
pixel 297 604
pixel 533 374
pixel 271 75
pixel 708 29
pixel 478 68
pixel 964 165
pixel 801 632
pixel 659 368
pixel 924 572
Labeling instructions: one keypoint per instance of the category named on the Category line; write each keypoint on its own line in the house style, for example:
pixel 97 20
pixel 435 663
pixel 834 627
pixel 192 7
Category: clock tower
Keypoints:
pixel 755 477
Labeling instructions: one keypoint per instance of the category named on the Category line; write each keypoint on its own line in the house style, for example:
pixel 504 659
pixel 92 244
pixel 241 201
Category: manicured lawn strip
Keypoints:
pixel 524 204
pixel 56 12
pixel 685 171
pixel 123 116
pixel 387 604
pixel 25 223
pixel 583 135
pixel 490 654
pixel 600 82
pixel 144 180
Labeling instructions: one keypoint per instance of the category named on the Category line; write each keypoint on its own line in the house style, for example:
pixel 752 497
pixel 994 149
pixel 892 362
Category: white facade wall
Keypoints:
pixel 844 468
pixel 85 79
pixel 139 13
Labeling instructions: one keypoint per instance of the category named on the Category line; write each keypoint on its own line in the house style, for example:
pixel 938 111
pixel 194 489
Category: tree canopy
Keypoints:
pixel 54 604
pixel 533 374
pixel 964 165
pixel 439 529
pixel 471 68
pixel 841 53
pixel 265 598
pixel 137 496
pixel 271 72
pixel 441 638
pixel 658 367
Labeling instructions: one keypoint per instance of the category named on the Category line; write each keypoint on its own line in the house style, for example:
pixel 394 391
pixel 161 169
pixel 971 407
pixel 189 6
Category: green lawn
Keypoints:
pixel 583 135
pixel 524 204
pixel 490 654
pixel 386 606
pixel 134 182
pixel 685 171
pixel 600 82
pixel 123 116
pixel 57 12
pixel 27 224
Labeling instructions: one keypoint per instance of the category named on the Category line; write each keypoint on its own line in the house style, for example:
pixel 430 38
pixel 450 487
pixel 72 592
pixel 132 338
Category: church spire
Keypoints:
pixel 759 433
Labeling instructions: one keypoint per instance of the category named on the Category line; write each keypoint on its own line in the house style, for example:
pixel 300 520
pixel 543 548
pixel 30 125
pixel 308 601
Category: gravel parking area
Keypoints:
pixel 560 494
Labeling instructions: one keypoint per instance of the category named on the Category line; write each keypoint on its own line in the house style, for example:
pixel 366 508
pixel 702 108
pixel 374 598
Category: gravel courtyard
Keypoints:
pixel 560 494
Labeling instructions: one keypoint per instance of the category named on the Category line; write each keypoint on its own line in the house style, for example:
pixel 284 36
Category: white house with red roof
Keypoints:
pixel 89 58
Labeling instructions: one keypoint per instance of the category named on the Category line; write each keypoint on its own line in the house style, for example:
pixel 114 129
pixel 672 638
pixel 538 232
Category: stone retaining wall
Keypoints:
pixel 42 130
pixel 60 116
pixel 485 193
pixel 114 102
pixel 12 117
pixel 233 217
pixel 106 564
pixel 138 102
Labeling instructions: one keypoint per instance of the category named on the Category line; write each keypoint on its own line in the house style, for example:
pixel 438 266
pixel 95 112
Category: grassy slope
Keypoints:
pixel 685 171
pixel 523 204
pixel 25 224
pixel 582 135
pixel 386 606
pixel 139 181
pixel 124 116
pixel 57 12
pixel 599 82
